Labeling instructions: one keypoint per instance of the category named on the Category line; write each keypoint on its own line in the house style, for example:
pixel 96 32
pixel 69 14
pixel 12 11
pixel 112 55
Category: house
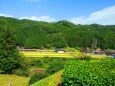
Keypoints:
pixel 60 51
pixel 110 52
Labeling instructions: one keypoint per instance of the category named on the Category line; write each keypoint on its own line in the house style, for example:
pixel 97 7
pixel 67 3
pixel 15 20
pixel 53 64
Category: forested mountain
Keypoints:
pixel 38 34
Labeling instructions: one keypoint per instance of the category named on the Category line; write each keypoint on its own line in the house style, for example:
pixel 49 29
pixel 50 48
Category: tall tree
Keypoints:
pixel 9 55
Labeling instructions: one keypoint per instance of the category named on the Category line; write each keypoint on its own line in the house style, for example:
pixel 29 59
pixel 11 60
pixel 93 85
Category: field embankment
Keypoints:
pixel 52 80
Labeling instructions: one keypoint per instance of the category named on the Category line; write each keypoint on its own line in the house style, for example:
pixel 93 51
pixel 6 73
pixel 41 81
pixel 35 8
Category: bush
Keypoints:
pixel 37 62
pixel 37 77
pixel 89 73
pixel 22 72
pixel 55 67
pixel 87 58
pixel 47 60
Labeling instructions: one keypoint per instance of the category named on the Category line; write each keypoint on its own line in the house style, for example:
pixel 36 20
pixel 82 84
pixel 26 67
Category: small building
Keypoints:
pixel 60 51
pixel 96 52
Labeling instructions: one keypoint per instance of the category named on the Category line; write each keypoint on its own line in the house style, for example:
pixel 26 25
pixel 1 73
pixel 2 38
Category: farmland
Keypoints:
pixel 55 54
pixel 51 80
pixel 57 43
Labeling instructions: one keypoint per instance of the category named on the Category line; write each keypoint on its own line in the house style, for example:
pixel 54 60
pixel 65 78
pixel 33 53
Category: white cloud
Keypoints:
pixel 1 14
pixel 105 16
pixel 41 18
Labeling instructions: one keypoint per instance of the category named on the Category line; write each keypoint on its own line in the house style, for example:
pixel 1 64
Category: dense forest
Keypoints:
pixel 39 34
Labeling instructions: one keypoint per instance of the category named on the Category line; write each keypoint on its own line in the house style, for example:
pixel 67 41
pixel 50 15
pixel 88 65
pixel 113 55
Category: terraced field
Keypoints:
pixel 47 54
pixel 55 54
pixel 53 80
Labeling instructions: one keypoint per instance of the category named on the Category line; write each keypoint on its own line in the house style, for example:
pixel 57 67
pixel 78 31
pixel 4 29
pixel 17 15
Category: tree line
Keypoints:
pixel 39 34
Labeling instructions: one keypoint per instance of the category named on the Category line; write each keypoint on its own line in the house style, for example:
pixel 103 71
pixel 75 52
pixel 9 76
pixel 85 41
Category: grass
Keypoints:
pixel 13 79
pixel 52 80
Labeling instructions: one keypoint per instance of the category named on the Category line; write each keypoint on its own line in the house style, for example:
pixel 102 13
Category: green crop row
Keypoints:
pixel 89 73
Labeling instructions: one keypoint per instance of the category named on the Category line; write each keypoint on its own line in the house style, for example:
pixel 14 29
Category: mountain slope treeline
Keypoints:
pixel 39 34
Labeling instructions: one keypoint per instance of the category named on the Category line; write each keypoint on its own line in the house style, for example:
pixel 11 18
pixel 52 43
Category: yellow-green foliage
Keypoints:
pixel 13 79
pixel 52 80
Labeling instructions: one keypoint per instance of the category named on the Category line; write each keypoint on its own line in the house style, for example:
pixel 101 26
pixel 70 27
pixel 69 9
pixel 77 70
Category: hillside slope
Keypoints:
pixel 52 80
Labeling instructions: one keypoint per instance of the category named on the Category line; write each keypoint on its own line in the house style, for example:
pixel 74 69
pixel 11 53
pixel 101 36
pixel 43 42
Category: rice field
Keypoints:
pixel 64 55
pixel 46 54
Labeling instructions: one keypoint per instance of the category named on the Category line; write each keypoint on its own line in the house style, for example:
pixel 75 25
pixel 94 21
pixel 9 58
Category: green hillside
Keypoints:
pixel 38 34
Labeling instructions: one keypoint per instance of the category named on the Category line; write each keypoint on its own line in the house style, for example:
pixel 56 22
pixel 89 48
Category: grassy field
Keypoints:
pixel 55 54
pixel 52 80
pixel 13 79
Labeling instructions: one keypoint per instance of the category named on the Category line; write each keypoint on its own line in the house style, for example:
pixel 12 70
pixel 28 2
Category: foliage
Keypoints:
pixel 48 60
pixel 52 80
pixel 37 77
pixel 30 34
pixel 21 72
pixel 86 58
pixel 9 55
pixel 89 73
pixel 55 67
pixel 36 62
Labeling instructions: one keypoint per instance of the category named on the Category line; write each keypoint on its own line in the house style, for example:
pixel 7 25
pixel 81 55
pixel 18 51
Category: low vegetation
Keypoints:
pixel 93 72
pixel 53 65
pixel 52 80
pixel 36 77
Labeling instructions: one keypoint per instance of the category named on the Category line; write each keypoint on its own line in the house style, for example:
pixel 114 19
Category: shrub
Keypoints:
pixel 37 77
pixel 87 58
pixel 24 68
pixel 47 60
pixel 22 72
pixel 55 67
pixel 89 73
pixel 37 62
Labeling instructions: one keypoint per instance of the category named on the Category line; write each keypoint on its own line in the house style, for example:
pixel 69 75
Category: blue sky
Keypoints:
pixel 76 11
